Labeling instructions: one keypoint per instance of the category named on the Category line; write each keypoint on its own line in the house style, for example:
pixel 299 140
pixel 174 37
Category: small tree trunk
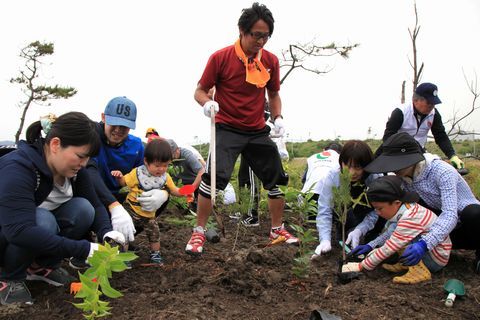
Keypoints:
pixel 22 121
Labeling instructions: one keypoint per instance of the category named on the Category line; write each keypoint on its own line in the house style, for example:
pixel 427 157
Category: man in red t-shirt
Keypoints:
pixel 241 73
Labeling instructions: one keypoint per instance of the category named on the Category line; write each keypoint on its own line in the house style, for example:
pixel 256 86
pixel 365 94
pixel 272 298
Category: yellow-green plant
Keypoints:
pixel 341 200
pixel 95 283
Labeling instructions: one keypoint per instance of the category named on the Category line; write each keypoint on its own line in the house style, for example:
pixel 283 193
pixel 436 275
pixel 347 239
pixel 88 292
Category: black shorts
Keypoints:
pixel 257 150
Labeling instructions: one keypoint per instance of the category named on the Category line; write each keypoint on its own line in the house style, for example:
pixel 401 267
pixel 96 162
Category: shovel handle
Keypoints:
pixel 450 300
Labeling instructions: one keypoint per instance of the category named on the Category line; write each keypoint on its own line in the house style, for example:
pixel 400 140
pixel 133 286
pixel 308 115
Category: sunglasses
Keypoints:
pixel 260 35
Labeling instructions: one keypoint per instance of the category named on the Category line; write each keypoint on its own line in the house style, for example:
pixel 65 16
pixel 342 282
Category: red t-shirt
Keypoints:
pixel 241 103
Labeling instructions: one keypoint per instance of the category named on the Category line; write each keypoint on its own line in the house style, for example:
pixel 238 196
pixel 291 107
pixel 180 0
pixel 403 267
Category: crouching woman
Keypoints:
pixel 48 205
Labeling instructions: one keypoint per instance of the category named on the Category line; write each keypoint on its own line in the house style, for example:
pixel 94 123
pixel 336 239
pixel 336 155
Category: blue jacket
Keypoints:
pixel 124 157
pixel 26 181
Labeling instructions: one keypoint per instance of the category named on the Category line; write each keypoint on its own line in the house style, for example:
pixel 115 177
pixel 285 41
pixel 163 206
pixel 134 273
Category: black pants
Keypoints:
pixel 248 180
pixel 257 149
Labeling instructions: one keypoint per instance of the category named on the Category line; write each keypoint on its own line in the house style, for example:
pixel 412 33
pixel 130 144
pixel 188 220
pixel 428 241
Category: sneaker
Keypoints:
pixel 78 264
pixel 14 292
pixel 195 244
pixel 251 221
pixel 56 277
pixel 282 235
pixel 156 258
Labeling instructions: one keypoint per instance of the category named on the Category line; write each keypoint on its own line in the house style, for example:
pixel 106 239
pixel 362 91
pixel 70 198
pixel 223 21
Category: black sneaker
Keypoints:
pixel 78 264
pixel 56 277
pixel 14 292
pixel 251 221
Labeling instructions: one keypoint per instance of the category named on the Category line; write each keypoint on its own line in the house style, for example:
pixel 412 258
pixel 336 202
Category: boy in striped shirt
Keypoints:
pixel 407 221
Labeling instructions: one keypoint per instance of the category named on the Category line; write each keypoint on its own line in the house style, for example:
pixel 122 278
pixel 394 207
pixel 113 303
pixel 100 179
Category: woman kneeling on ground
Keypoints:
pixel 48 205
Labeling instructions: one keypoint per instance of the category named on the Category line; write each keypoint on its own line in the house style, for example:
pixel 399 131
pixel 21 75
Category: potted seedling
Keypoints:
pixel 341 201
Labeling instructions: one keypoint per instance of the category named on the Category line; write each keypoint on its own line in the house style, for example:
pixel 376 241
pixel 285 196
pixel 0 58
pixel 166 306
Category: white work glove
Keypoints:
pixel 352 267
pixel 278 128
pixel 93 248
pixel 153 199
pixel 208 106
pixel 324 247
pixel 122 222
pixel 115 236
pixel 353 238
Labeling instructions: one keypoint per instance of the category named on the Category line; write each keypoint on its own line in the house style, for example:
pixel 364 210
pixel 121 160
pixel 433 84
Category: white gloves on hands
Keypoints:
pixel 352 267
pixel 93 248
pixel 115 236
pixel 153 199
pixel 353 238
pixel 278 127
pixel 207 108
pixel 122 222
pixel 324 247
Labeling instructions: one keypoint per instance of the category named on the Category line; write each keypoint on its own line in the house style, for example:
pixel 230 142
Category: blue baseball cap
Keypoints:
pixel 121 111
pixel 429 91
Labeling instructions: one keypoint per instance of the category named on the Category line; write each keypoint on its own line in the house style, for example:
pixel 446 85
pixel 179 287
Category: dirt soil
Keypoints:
pixel 251 281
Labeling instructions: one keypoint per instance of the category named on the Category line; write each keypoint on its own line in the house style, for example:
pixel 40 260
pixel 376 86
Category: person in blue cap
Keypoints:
pixel 420 116
pixel 120 151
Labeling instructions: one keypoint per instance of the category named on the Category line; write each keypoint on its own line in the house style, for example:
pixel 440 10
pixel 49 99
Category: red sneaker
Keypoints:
pixel 282 235
pixel 195 244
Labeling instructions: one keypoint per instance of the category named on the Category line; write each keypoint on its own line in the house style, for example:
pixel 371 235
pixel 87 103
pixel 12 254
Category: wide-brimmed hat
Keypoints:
pixel 389 188
pixel 399 151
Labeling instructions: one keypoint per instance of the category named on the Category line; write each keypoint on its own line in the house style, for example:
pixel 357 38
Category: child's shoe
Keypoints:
pixel 416 274
pixel 397 267
pixel 280 235
pixel 156 258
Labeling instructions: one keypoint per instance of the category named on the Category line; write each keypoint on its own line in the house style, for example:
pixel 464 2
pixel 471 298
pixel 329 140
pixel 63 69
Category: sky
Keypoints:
pixel 154 52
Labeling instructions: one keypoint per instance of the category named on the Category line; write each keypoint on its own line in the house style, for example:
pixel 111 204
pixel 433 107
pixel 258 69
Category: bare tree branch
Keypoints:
pixel 297 54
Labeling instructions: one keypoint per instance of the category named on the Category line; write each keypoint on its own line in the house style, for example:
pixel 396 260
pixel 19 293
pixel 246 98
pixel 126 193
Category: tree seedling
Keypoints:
pixel 454 288
pixel 301 264
pixel 341 201
pixel 94 282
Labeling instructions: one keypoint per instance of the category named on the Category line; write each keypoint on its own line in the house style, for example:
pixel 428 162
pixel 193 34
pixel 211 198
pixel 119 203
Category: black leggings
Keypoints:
pixel 466 234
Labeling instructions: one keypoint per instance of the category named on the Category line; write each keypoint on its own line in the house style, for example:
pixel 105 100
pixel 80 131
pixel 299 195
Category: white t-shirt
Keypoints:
pixel 58 196
pixel 319 166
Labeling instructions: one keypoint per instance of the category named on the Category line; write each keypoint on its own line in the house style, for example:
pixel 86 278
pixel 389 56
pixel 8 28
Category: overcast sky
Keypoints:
pixel 155 51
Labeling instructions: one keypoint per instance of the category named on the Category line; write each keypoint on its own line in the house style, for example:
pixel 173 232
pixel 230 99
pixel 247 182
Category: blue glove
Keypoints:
pixel 361 249
pixel 414 253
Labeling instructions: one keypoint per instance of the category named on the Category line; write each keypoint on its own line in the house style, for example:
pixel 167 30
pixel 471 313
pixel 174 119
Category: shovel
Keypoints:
pixel 187 190
pixel 454 288
pixel 213 170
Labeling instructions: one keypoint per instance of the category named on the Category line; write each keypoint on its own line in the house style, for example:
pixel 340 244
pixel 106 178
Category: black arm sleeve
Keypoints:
pixel 441 137
pixel 394 123
pixel 106 197
pixel 84 189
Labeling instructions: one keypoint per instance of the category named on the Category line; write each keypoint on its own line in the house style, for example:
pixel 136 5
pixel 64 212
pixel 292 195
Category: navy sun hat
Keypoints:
pixel 429 91
pixel 399 151
pixel 121 111
pixel 388 189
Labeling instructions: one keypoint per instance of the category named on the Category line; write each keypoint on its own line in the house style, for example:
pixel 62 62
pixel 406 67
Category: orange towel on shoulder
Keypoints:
pixel 256 72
